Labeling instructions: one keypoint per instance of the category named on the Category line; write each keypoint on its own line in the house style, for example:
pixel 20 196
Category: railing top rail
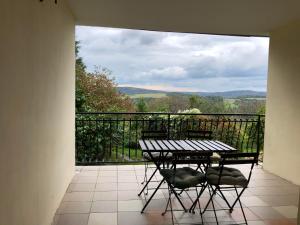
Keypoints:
pixel 169 113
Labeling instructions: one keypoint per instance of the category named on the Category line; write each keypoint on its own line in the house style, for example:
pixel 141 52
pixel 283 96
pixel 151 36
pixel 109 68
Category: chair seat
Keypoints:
pixel 184 177
pixel 230 176
pixel 155 155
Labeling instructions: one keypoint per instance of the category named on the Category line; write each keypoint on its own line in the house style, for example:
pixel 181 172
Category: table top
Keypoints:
pixel 182 145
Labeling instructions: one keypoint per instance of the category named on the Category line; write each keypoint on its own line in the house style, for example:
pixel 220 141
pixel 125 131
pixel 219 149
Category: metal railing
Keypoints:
pixel 113 137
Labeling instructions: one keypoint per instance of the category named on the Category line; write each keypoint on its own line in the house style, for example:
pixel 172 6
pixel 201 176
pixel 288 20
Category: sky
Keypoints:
pixel 176 61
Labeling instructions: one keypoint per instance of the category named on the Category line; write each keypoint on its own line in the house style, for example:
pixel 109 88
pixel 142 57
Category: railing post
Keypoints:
pixel 258 135
pixel 169 125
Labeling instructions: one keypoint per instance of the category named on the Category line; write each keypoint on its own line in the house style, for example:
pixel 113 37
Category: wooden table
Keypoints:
pixel 164 147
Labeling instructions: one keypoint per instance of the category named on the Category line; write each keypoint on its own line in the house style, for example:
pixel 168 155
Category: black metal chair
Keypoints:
pixel 223 178
pixel 152 135
pixel 199 134
pixel 182 179
pixel 202 135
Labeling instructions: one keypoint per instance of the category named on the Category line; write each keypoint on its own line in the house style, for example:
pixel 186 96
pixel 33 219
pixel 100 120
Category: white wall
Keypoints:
pixel 282 136
pixel 37 109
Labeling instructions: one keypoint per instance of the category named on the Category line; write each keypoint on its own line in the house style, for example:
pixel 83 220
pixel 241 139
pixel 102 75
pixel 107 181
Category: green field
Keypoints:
pixel 153 95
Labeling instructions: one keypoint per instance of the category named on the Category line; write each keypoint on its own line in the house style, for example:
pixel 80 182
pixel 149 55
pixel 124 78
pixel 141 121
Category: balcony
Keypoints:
pixel 107 195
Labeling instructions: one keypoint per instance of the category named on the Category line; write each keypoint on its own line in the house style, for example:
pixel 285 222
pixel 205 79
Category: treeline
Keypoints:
pixel 211 104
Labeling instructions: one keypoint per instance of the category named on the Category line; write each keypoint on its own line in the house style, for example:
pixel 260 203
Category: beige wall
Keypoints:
pixel 37 90
pixel 282 136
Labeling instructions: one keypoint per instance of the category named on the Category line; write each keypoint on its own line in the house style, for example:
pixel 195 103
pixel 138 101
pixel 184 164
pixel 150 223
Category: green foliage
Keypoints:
pixel 141 105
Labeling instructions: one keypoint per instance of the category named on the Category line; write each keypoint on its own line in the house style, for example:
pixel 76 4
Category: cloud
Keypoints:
pixel 176 60
pixel 175 72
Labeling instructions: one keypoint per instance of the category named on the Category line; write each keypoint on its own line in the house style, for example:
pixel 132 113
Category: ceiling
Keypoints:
pixel 229 17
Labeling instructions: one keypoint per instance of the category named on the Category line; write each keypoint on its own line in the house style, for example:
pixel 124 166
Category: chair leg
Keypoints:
pixel 213 205
pixel 176 195
pixel 239 200
pixel 169 200
pixel 169 203
pixel 224 198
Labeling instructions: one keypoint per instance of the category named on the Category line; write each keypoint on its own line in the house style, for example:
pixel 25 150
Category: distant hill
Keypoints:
pixel 224 94
pixel 134 91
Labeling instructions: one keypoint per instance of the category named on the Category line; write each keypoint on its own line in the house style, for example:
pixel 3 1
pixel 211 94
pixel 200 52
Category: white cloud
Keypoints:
pixel 176 60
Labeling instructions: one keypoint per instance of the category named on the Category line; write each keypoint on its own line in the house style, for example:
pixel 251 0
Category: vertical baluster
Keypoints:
pixel 136 137
pixel 233 132
pixel 117 139
pixel 123 139
pixel 239 135
pixel 129 146
pixel 249 136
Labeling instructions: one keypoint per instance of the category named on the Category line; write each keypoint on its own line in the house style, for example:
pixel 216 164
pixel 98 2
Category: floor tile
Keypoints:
pixel 266 213
pixel 287 211
pixel 253 201
pixel 279 222
pixel 81 187
pixel 106 187
pixel 103 219
pixel 131 205
pixel 128 195
pixel 78 197
pixel 128 186
pixel 104 206
pixel 136 218
pixel 280 200
pixel 74 207
pixel 73 219
pixel 105 195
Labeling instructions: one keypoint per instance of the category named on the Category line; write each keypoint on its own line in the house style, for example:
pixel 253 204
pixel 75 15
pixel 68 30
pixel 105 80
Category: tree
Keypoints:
pixel 195 102
pixel 97 91
pixel 141 105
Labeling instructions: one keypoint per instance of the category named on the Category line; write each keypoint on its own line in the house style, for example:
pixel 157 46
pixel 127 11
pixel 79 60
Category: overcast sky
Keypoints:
pixel 176 61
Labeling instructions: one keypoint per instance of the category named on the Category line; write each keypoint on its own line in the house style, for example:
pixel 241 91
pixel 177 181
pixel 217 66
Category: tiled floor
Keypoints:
pixel 107 195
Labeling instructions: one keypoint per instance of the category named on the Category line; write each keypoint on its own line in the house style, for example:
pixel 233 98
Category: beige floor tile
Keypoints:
pixel 253 201
pixel 78 197
pixel 103 219
pixel 74 207
pixel 108 168
pixel 81 187
pixel 287 211
pixel 106 187
pixel 104 206
pixel 73 219
pixel 129 206
pixel 106 196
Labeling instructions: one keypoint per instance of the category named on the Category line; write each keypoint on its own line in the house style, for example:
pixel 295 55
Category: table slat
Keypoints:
pixel 206 145
pixel 200 146
pixel 221 147
pixel 149 145
pixel 171 147
pixel 221 143
pixel 177 147
pixel 155 145
pixel 143 145
pixel 193 145
pixel 162 145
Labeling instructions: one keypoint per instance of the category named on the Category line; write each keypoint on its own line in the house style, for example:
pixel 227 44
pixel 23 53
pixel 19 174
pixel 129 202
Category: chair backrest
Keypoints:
pixel 154 134
pixel 238 158
pixel 192 157
pixel 198 134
